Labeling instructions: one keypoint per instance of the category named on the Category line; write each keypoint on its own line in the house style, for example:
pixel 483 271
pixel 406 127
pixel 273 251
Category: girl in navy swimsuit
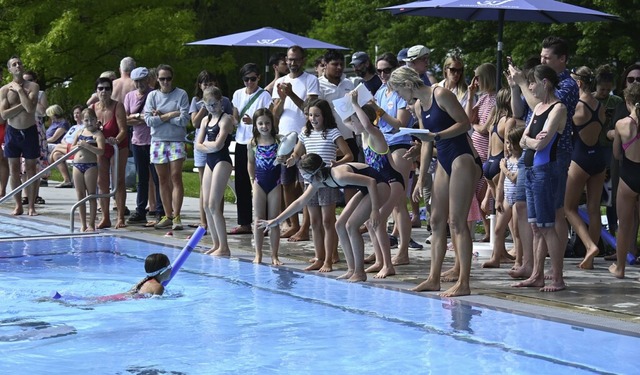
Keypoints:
pixel 627 148
pixel 91 142
pixel 265 178
pixel 587 166
pixel 459 169
pixel 213 140
pixel 373 190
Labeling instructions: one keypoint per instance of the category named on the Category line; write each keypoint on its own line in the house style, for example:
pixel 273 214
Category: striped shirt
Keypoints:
pixel 324 146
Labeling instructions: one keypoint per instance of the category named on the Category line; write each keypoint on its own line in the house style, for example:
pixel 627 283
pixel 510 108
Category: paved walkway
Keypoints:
pixel 592 297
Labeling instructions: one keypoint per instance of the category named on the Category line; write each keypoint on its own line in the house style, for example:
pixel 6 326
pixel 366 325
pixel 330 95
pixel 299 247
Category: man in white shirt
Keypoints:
pixel 293 89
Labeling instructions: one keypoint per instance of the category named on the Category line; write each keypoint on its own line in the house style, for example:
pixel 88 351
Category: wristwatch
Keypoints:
pixel 437 137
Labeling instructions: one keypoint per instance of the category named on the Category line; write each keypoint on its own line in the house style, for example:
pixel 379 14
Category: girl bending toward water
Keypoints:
pixel 91 142
pixel 158 269
pixel 365 204
pixel 265 178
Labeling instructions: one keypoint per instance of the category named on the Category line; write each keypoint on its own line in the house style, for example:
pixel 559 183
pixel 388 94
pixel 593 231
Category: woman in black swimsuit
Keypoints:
pixel 365 204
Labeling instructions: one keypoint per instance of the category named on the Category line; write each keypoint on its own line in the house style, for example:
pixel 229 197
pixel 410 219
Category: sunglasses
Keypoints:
pixel 104 88
pixel 633 79
pixel 385 70
pixel 454 70
pixel 165 79
pixel 247 79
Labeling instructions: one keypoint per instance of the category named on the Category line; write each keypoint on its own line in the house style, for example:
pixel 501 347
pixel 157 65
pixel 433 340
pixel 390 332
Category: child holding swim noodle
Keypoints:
pixel 158 269
pixel 265 178
pixel 85 166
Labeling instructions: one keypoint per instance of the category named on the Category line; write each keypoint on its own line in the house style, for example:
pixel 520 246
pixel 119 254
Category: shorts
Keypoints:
pixel 21 143
pixel 164 152
pixel 540 182
pixel 289 175
pixel 325 196
pixel 521 194
pixel 562 171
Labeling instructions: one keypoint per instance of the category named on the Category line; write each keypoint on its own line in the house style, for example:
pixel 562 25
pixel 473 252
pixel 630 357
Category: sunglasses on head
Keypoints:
pixel 165 79
pixel 247 79
pixel 633 79
pixel 104 88
pixel 385 70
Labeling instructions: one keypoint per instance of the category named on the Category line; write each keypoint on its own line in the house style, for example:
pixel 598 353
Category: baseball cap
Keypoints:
pixel 358 58
pixel 402 54
pixel 139 73
pixel 416 52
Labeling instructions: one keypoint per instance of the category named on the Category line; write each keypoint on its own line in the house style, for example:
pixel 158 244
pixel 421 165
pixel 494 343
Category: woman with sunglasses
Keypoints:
pixel 246 101
pixel 393 114
pixel 453 70
pixel 112 115
pixel 166 112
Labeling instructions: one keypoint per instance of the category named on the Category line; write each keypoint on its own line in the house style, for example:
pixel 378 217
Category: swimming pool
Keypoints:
pixel 26 226
pixel 228 316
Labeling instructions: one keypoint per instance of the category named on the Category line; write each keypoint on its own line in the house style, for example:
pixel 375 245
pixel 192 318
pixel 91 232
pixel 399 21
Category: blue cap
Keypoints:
pixel 403 54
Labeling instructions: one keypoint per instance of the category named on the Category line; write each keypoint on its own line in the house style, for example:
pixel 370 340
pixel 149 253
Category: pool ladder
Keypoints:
pixel 63 159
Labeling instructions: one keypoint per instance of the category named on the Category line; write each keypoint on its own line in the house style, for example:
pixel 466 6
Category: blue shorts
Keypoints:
pixel 562 171
pixel 540 183
pixel 21 143
pixel 521 194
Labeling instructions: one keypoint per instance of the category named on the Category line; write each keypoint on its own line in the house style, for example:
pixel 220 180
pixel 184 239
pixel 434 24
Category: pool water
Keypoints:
pixel 223 315
pixel 19 227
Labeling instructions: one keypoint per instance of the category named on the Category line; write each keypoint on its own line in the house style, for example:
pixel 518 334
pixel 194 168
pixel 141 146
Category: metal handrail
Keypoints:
pixel 37 175
pixel 110 194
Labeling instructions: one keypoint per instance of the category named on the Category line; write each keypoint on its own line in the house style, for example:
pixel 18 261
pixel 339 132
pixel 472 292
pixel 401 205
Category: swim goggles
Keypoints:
pixel 158 272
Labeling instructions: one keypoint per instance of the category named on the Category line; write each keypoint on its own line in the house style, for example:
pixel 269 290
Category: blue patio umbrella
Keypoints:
pixel 266 37
pixel 544 11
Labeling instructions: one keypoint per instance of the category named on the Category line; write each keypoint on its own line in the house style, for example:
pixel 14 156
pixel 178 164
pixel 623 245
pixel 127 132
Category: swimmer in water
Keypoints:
pixel 158 268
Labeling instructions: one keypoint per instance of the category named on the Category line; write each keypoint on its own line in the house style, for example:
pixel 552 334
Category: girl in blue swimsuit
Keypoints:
pixel 627 148
pixel 364 206
pixel 459 169
pixel 587 168
pixel 265 178
pixel 91 142
pixel 213 140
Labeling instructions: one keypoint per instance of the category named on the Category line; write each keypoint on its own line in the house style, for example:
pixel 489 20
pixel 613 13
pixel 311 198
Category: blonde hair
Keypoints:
pixel 462 84
pixel 584 75
pixel 212 92
pixel 54 110
pixel 487 77
pixel 109 74
pixel 402 75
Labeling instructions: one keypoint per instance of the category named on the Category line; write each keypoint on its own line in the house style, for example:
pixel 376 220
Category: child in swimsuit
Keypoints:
pixel 365 205
pixel 265 178
pixel 158 269
pixel 91 142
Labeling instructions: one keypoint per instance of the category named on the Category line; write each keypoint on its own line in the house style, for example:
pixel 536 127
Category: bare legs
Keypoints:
pixel 400 212
pixel 86 184
pixel 14 170
pixel 214 183
pixel 106 167
pixel 266 206
pixel 171 188
pixel 626 208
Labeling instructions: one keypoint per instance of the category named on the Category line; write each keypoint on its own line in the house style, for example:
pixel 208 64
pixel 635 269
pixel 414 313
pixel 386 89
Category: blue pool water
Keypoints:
pixel 228 316
pixel 26 226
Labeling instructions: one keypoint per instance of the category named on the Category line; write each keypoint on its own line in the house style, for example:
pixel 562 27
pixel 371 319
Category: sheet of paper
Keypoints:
pixel 343 105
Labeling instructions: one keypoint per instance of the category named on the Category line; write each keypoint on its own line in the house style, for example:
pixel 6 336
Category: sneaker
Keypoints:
pixel 164 223
pixel 428 240
pixel 177 223
pixel 413 245
pixel 136 218
pixel 393 242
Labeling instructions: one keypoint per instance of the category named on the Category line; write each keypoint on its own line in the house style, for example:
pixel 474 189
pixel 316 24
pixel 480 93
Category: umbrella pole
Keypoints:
pixel 266 68
pixel 499 52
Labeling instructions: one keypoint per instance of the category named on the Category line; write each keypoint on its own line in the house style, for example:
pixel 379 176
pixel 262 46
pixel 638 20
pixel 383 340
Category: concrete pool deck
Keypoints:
pixel 592 297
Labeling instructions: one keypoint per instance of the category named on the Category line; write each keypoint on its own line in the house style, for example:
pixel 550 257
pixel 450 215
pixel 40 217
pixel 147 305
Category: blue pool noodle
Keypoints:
pixel 631 259
pixel 184 254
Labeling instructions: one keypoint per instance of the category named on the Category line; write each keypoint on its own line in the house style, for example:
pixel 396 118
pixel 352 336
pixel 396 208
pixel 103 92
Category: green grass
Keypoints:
pixel 190 181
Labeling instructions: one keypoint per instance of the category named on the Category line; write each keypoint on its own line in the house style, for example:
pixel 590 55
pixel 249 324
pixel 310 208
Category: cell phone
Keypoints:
pixel 509 60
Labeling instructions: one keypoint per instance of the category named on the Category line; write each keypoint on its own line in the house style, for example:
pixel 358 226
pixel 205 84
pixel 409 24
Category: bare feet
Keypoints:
pixel 587 263
pixel 221 253
pixel 457 290
pixel 370 259
pixel 553 287
pixel 326 267
pixel 346 275
pixel 400 260
pixel 90 229
pixel 491 263
pixel 535 282
pixel 374 268
pixel 335 259
pixel 120 224
pixel 358 277
pixel 450 275
pixel 520 272
pixel 427 285
pixel 104 224
pixel 315 265
pixel 616 272
pixel 32 212
pixel 18 211
pixel 385 272
pixel 286 233
pixel 257 259
pixel 299 236
pixel 276 262
pixel 312 260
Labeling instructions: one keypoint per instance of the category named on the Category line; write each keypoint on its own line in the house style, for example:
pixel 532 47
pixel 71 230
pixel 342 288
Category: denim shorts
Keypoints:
pixel 540 183
pixel 563 160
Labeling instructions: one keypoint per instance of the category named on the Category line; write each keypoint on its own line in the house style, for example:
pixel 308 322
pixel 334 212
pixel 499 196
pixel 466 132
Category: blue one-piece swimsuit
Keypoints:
pixel 214 158
pixel 267 174
pixel 436 120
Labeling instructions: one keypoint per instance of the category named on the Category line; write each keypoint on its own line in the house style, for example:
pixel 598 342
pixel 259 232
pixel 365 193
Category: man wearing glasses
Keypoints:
pixel 293 89
pixel 418 59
